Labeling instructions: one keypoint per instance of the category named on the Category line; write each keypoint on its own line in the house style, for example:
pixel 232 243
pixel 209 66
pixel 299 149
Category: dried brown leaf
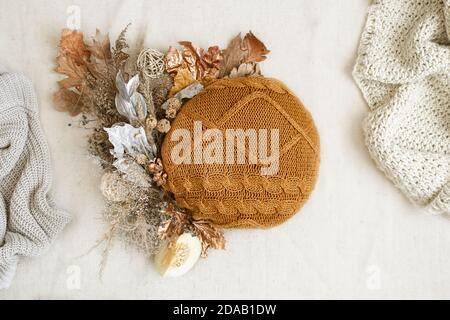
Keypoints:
pixel 101 46
pixel 256 50
pixel 68 101
pixel 247 50
pixel 232 55
pixel 76 73
pixel 246 70
pixel 72 59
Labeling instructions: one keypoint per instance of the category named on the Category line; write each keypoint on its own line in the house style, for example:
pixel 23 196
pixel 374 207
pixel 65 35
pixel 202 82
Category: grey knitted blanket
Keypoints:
pixel 28 219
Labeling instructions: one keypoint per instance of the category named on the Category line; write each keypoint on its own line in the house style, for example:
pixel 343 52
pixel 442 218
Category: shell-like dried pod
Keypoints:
pixel 178 256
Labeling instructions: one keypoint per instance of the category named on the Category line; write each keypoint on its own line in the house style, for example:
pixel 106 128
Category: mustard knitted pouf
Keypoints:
pixel 242 153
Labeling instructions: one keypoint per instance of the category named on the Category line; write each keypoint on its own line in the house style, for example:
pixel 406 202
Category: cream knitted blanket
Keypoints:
pixel 28 218
pixel 403 70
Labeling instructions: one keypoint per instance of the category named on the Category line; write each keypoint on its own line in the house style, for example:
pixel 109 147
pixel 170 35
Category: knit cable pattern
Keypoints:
pixel 403 70
pixel 237 195
pixel 29 220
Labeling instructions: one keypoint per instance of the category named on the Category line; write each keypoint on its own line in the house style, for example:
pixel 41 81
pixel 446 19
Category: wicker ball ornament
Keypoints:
pixel 151 62
pixel 236 194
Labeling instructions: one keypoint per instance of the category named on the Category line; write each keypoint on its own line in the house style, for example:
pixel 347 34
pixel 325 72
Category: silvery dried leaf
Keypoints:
pixel 133 172
pixel 130 140
pixel 130 103
pixel 187 93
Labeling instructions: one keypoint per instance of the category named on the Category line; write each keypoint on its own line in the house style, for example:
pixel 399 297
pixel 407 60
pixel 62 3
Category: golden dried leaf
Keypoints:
pixel 210 236
pixel 213 59
pixel 176 224
pixel 199 62
pixel 256 50
pixel 174 61
pixel 192 57
pixel 183 79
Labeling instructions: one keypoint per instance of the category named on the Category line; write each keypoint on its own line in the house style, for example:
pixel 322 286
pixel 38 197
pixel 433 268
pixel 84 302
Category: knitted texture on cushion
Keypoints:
pixel 238 195
pixel 403 70
pixel 28 219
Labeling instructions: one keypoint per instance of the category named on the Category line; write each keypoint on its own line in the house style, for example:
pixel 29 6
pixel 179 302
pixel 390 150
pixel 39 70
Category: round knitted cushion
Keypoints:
pixel 232 190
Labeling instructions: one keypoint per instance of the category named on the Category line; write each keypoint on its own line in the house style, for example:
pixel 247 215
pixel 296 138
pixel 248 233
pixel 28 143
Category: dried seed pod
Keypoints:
pixel 141 159
pixel 171 113
pixel 163 126
pixel 174 103
pixel 151 123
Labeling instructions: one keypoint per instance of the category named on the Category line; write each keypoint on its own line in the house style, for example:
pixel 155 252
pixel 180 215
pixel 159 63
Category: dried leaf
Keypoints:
pixel 210 236
pixel 256 50
pixel 101 46
pixel 182 80
pixel 101 65
pixel 68 100
pixel 72 45
pixel 72 62
pixel 246 70
pixel 174 61
pixel 176 224
pixel 179 222
pixel 72 59
pixel 239 51
pixel 76 73
pixel 213 59
pixel 232 56
pixel 199 62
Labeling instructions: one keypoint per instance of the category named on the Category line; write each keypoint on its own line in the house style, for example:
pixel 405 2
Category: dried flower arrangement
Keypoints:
pixel 128 107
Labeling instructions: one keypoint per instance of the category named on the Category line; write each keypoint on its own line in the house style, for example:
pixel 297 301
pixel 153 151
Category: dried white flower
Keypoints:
pixel 130 140
pixel 130 103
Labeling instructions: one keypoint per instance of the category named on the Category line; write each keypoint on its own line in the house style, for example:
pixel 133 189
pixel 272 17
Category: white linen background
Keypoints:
pixel 358 237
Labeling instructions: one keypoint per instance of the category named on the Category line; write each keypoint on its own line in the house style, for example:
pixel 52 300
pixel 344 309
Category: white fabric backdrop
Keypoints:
pixel 358 237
